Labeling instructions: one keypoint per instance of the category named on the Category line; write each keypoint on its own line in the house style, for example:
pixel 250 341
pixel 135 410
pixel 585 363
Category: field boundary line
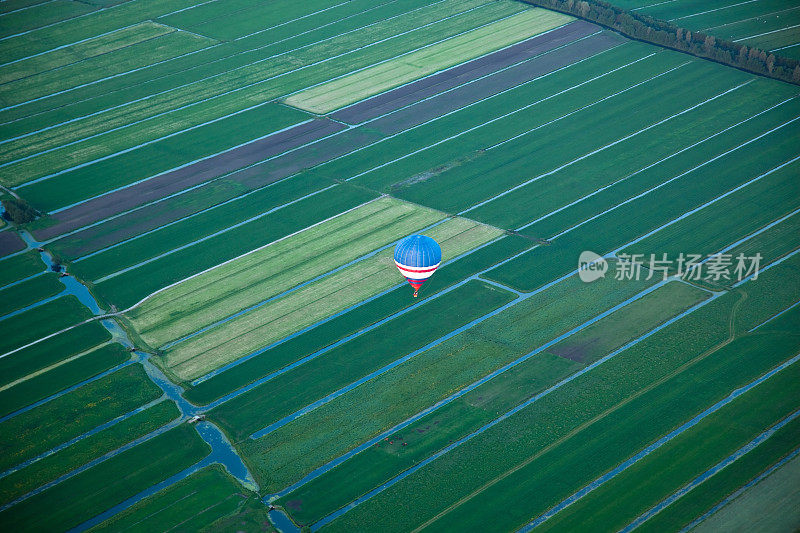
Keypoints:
pixel 651 165
pixel 223 94
pixel 602 148
pixel 614 472
pixel 749 18
pixel 710 472
pixel 205 237
pixel 755 481
pixel 767 33
pixel 713 10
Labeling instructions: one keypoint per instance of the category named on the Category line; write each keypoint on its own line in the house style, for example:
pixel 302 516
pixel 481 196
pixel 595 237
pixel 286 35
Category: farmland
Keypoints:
pixel 201 317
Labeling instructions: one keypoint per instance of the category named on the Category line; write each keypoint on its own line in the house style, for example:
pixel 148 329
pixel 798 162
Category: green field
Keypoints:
pixel 379 78
pixel 208 500
pixel 228 179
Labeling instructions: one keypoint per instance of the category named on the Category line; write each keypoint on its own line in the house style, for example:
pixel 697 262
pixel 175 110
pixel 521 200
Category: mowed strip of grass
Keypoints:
pixel 216 97
pixel 272 269
pixel 260 327
pixel 41 385
pixel 531 155
pixel 91 492
pixel 297 388
pixel 183 230
pixel 630 401
pixel 209 498
pixel 81 51
pixel 51 352
pixel 33 324
pixel 646 483
pixel 540 94
pixel 66 417
pixel 29 292
pixel 379 78
pixel 68 459
pixel 615 228
pixel 352 321
pixel 601 338
pixel 625 160
pixel 181 70
pixel 128 288
pixel 154 44
pixel 457 419
pixel 285 455
pixel 20 267
pixel 71 31
pixel 146 161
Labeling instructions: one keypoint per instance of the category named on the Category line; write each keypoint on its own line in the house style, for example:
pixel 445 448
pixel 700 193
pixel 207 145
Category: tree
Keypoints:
pixel 770 63
pixel 18 211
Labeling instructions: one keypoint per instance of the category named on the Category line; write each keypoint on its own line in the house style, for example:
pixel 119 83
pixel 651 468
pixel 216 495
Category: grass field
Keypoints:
pixel 227 179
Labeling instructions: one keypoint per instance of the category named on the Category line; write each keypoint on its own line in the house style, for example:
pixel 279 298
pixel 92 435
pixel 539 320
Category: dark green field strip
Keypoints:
pixel 41 321
pixel 68 459
pixel 217 97
pixel 57 379
pixel 751 32
pixel 176 72
pixel 29 292
pixel 615 228
pixel 51 351
pixel 568 90
pixel 595 415
pixel 41 428
pixel 351 322
pixel 620 161
pixel 702 498
pixel 126 289
pixel 41 15
pixel 630 322
pixel 403 450
pixel 133 56
pixel 646 483
pixel 13 5
pixel 722 17
pixel 20 267
pixel 481 113
pixel 433 432
pixel 737 134
pixel 166 154
pixel 520 159
pixel 192 504
pixel 293 390
pixel 223 22
pixel 91 25
pixel 778 288
pixel 91 492
pixel 582 458
pixel 197 227
pixel 284 456
pixel 728 220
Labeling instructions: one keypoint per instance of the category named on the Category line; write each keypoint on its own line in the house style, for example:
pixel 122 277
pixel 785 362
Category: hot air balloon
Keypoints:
pixel 417 257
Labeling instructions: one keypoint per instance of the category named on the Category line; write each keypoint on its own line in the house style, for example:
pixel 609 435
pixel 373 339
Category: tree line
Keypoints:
pixel 663 33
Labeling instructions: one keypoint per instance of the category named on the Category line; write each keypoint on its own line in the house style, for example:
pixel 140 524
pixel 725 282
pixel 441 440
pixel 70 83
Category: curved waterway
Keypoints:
pixel 222 451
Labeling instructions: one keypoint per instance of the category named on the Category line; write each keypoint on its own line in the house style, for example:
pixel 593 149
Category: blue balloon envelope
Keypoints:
pixel 417 257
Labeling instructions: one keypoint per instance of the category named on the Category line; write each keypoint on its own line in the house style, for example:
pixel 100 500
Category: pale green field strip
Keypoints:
pixel 220 95
pixel 67 459
pixel 208 500
pixel 338 93
pixel 287 454
pixel 66 417
pixel 770 505
pixel 159 46
pixel 274 268
pixel 87 27
pixel 82 51
pixel 258 328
